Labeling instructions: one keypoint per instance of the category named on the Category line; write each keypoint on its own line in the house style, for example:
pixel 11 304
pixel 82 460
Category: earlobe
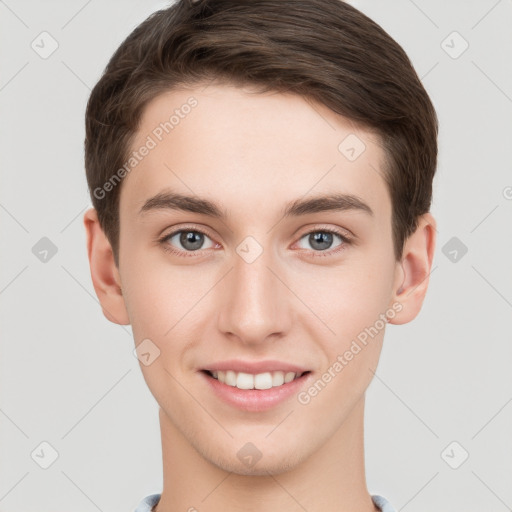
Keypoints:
pixel 413 271
pixel 104 272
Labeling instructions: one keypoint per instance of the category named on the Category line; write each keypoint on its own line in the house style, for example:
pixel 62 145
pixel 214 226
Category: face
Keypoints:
pixel 264 272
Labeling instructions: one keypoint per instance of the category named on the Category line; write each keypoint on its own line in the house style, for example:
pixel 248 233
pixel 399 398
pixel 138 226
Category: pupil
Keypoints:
pixel 191 237
pixel 323 239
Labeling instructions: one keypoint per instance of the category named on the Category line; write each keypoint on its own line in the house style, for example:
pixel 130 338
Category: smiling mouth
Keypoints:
pixel 259 381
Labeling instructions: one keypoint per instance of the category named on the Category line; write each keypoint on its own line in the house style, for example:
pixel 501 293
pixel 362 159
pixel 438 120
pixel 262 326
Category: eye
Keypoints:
pixel 322 239
pixel 188 241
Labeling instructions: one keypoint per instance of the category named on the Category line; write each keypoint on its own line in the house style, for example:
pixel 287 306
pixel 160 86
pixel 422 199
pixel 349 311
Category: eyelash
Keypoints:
pixel 185 254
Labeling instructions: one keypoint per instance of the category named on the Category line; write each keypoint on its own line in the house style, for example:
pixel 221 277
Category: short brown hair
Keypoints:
pixel 323 50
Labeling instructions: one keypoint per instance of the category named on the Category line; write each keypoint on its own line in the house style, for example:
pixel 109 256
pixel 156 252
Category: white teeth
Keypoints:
pixel 230 378
pixel 289 377
pixel 265 380
pixel 245 381
pixel 277 379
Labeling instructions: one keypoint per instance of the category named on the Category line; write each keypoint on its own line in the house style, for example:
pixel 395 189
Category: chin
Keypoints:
pixel 275 464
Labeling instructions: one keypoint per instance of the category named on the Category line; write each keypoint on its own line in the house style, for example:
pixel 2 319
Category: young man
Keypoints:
pixel 261 175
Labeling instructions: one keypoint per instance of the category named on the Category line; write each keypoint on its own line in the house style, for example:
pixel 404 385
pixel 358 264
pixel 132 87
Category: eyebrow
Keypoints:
pixel 168 200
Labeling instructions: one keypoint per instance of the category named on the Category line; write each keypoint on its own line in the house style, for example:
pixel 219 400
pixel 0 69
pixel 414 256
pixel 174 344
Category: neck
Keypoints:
pixel 331 480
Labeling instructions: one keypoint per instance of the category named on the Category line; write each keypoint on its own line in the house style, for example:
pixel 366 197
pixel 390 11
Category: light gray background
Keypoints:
pixel 69 377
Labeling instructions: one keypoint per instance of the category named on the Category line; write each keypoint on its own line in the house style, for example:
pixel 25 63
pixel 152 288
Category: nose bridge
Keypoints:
pixel 255 306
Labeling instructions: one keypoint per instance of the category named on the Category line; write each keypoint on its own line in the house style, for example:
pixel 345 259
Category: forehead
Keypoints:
pixel 250 150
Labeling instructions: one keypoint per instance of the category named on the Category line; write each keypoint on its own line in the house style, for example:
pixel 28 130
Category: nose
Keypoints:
pixel 255 300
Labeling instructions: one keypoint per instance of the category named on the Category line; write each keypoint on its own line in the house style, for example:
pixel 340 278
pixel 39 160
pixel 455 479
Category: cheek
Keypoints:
pixel 353 309
pixel 153 299
pixel 158 311
pixel 166 303
pixel 349 299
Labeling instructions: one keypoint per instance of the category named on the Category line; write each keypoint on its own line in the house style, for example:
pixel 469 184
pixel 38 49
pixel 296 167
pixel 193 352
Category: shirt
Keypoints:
pixel 147 504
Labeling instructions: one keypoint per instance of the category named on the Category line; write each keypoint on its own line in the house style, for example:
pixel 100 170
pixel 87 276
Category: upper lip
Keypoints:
pixel 255 367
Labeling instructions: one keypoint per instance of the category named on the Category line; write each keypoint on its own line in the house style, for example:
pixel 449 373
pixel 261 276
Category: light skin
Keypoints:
pixel 299 301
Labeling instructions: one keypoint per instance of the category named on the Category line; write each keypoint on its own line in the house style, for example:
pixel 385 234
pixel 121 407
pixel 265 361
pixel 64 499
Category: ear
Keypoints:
pixel 413 271
pixel 104 272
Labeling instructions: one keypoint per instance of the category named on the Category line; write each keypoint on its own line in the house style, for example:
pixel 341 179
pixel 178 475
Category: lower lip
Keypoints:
pixel 255 400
